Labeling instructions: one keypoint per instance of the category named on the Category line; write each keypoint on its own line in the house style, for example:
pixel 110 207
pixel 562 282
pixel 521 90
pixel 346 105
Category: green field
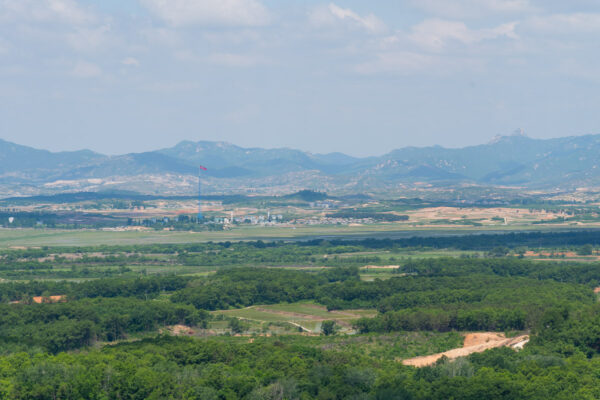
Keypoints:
pixel 87 237
pixel 307 315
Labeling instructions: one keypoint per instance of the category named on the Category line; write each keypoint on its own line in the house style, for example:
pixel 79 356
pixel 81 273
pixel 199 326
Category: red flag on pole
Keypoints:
pixel 203 168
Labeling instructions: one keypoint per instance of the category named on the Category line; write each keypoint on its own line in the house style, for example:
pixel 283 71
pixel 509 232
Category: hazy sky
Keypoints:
pixel 361 77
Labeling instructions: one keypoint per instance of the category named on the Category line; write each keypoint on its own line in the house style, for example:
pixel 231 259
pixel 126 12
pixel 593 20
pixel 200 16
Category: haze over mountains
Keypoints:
pixel 506 161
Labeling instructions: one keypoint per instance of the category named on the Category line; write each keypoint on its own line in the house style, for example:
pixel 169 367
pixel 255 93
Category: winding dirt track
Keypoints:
pixel 474 343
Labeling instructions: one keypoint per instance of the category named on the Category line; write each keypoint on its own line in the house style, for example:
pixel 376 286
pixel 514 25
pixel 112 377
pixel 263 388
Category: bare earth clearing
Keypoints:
pixel 367 267
pixel 483 215
pixel 571 255
pixel 179 330
pixel 474 343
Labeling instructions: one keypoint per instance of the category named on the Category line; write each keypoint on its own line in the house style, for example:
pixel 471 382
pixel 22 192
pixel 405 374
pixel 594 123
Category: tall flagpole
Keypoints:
pixel 199 198
pixel 200 217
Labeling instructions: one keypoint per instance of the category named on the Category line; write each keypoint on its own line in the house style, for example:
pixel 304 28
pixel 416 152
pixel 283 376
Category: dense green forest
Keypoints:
pixel 109 333
pixel 438 295
pixel 181 368
pixel 64 326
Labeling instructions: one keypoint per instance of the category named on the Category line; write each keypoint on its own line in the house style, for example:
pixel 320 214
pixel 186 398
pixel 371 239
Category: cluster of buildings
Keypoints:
pixel 269 219
pixel 250 219
pixel 323 204
pixel 332 221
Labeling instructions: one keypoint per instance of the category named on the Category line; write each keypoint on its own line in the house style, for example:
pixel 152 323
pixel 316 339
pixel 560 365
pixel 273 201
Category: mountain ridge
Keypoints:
pixel 515 160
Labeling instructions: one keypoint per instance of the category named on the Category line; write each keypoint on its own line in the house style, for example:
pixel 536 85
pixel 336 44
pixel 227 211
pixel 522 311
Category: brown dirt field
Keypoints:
pixel 456 214
pixel 180 330
pixel 474 339
pixel 570 254
pixel 71 256
pixel 50 299
pixel 474 343
pixel 567 254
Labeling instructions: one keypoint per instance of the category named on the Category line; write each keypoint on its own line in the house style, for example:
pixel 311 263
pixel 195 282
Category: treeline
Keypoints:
pixel 413 291
pixel 146 288
pixel 259 253
pixel 482 318
pixel 64 326
pixel 485 241
pixel 467 299
pixel 273 368
pixel 574 272
pixel 90 311
pixel 568 240
pixel 242 287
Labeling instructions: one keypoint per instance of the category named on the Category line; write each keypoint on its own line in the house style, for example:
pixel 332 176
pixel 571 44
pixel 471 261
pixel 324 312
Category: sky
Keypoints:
pixel 359 77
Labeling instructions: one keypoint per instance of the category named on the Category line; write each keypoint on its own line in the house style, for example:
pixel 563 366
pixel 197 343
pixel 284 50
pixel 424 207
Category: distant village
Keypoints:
pixel 142 216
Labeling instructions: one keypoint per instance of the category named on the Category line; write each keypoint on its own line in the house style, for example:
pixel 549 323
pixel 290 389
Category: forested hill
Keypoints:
pixel 508 160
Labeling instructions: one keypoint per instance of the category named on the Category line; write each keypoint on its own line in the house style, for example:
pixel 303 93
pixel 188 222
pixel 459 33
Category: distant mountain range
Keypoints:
pixel 516 160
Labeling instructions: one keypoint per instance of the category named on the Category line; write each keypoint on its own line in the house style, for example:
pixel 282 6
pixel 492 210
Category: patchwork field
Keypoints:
pixel 305 315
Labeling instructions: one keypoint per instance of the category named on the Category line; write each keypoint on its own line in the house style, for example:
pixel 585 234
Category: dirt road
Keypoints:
pixel 474 343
